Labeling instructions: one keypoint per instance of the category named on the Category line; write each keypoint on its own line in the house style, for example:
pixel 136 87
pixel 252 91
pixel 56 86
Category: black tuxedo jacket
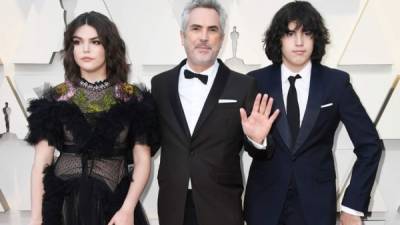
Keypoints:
pixel 210 157
pixel 310 162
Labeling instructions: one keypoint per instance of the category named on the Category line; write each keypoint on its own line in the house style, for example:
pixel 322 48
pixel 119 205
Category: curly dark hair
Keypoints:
pixel 115 50
pixel 305 16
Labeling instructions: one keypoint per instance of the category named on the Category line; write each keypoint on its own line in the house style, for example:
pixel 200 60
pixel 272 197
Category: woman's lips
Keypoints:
pixel 299 52
pixel 87 59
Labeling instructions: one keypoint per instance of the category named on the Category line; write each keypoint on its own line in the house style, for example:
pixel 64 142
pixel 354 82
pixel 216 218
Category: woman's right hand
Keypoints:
pixel 122 217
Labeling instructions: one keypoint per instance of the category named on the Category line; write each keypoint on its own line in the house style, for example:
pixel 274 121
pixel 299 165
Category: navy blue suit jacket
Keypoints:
pixel 310 161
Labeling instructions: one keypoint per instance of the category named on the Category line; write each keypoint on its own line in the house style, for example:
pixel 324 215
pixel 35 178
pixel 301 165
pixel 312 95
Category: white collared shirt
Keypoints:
pixel 302 86
pixel 193 93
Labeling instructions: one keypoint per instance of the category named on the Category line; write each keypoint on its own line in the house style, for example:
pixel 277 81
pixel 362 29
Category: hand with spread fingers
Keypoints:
pixel 257 125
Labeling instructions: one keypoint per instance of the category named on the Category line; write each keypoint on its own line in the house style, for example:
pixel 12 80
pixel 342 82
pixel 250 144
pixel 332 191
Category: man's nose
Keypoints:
pixel 204 35
pixel 299 38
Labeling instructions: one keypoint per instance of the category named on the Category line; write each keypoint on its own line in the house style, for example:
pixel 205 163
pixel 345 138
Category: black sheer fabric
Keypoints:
pixel 95 130
pixel 110 171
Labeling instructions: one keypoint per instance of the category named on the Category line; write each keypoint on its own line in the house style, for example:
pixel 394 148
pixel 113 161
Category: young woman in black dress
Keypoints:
pixel 99 123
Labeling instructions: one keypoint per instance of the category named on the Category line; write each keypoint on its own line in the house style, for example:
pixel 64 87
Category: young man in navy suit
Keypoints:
pixel 296 185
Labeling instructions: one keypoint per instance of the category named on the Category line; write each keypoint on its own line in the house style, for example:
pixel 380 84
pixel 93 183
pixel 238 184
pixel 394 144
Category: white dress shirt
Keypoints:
pixel 193 94
pixel 303 88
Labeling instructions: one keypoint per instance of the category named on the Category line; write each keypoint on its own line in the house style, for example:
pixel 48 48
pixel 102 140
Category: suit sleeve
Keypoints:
pixel 367 147
pixel 248 146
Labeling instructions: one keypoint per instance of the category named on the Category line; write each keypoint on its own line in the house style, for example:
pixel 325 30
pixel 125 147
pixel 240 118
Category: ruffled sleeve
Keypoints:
pixel 43 121
pixel 145 123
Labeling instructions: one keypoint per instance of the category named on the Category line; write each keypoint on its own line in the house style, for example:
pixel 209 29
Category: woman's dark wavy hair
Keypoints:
pixel 306 16
pixel 115 50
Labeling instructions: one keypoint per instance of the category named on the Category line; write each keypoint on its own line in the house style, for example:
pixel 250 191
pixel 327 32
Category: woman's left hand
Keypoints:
pixel 122 217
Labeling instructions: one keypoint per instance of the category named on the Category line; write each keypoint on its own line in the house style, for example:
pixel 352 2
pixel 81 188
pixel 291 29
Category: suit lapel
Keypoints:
pixel 276 91
pixel 212 98
pixel 313 105
pixel 175 100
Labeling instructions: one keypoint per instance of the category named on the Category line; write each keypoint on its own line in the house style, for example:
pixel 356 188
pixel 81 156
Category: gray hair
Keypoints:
pixel 209 4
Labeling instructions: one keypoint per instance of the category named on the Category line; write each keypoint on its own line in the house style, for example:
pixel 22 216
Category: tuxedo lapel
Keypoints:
pixel 175 100
pixel 214 95
pixel 313 105
pixel 276 92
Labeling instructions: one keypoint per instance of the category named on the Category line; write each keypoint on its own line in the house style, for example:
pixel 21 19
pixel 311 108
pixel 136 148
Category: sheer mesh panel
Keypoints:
pixel 110 170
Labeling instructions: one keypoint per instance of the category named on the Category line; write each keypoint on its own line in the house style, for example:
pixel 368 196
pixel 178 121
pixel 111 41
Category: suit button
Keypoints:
pixel 192 153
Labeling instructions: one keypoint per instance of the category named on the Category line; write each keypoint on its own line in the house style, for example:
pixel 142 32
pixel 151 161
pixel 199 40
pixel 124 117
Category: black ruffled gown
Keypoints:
pixel 94 126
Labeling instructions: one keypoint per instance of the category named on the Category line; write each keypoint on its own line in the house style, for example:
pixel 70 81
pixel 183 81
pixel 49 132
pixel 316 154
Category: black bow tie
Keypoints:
pixel 189 75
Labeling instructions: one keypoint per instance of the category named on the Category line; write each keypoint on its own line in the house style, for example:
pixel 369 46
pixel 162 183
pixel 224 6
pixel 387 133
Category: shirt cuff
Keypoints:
pixel 351 211
pixel 262 146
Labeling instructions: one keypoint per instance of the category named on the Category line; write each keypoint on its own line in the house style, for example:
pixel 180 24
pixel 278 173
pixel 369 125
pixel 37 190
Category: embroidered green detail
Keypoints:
pixel 129 89
pixel 61 89
pixel 109 99
pixel 88 105
pixel 80 99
